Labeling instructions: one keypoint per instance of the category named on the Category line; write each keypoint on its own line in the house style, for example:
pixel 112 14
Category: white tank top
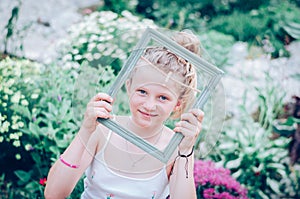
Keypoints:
pixel 103 183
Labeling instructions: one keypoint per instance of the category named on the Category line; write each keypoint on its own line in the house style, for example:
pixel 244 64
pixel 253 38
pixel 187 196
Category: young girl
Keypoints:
pixel 161 86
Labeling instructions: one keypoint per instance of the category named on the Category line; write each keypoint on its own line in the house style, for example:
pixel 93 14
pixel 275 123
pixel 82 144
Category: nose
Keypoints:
pixel 150 104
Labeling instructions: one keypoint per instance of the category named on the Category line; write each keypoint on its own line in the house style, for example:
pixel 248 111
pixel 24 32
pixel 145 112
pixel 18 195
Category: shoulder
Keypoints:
pixel 99 137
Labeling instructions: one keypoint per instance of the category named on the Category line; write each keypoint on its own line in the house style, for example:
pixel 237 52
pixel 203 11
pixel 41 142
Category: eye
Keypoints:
pixel 163 98
pixel 141 92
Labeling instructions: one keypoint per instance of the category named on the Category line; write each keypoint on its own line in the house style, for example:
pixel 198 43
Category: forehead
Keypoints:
pixel 147 74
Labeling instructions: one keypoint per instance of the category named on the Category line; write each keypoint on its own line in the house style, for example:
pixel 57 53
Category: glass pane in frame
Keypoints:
pixel 212 78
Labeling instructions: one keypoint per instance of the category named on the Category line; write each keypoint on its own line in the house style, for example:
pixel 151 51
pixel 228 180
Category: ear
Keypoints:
pixel 128 85
pixel 177 105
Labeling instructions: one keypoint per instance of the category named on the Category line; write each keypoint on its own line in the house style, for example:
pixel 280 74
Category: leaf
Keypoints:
pixel 274 185
pixel 65 107
pixel 227 145
pixel 34 129
pixel 276 166
pixel 262 194
pixel 234 163
pixel 32 186
pixel 23 110
pixel 36 157
pixel 292 28
pixel 52 108
pixel 23 176
pixel 237 173
pixel 54 150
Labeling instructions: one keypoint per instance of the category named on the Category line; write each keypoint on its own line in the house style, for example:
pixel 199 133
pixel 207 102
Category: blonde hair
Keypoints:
pixel 169 62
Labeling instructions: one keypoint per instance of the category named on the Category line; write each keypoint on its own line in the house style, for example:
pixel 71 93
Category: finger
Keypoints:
pixel 101 104
pixel 189 117
pixel 199 114
pixel 186 128
pixel 101 113
pixel 94 112
pixel 102 96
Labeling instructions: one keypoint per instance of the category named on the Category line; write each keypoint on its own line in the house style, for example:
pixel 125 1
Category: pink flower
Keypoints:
pixel 216 183
pixel 43 181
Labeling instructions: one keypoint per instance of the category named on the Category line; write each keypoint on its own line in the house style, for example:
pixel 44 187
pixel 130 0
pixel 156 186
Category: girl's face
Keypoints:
pixel 152 97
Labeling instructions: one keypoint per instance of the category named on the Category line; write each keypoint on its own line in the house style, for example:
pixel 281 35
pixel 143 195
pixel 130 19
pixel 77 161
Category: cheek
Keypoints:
pixel 135 100
pixel 169 107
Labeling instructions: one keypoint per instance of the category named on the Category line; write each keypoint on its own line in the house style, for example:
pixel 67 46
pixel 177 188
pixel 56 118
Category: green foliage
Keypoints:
pixel 268 24
pixel 37 118
pixel 217 46
pixel 270 98
pixel 118 6
pixel 272 23
pixel 242 26
pixel 254 160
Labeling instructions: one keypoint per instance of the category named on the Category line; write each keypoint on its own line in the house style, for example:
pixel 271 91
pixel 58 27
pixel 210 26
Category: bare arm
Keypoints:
pixel 62 178
pixel 181 179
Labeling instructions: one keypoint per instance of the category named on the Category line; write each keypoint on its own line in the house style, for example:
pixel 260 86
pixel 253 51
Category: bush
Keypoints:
pixel 256 161
pixel 37 120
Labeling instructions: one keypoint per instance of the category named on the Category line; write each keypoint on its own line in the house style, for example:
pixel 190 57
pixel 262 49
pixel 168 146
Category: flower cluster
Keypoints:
pixel 17 91
pixel 216 183
pixel 102 38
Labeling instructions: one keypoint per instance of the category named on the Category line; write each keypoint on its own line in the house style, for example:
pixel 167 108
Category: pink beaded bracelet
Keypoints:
pixel 68 164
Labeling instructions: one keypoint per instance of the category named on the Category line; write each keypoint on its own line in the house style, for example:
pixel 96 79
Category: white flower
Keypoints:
pixel 16 97
pixel 18 156
pixel 28 147
pixel 13 136
pixel 4 127
pixel 10 82
pixel 24 102
pixel 17 143
pixel 8 91
pixel 78 57
pixel 97 56
pixel 34 96
pixel 21 124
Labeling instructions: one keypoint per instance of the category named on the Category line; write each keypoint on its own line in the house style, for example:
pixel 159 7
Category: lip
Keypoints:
pixel 146 114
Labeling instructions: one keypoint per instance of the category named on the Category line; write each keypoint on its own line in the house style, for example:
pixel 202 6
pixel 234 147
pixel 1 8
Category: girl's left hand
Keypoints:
pixel 190 126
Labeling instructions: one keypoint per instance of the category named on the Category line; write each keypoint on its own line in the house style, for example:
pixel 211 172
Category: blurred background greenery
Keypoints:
pixel 42 103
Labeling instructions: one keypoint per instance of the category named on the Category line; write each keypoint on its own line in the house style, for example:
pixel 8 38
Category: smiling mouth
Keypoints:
pixel 147 114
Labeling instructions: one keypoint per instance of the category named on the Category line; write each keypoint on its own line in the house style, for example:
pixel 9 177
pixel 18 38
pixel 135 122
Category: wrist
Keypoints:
pixel 186 153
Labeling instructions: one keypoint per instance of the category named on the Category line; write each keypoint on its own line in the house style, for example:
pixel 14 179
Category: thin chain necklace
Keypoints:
pixel 134 162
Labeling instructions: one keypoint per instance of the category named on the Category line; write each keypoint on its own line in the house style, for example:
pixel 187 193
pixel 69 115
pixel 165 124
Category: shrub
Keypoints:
pixel 38 120
pixel 255 161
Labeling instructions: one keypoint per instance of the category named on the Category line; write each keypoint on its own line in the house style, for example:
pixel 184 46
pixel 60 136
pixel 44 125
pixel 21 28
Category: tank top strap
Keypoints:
pixel 107 139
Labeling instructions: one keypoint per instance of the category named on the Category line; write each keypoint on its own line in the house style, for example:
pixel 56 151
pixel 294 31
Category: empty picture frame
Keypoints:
pixel 214 75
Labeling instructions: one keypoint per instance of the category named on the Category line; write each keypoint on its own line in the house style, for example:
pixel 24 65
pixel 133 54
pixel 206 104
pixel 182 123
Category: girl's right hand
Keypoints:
pixel 99 106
